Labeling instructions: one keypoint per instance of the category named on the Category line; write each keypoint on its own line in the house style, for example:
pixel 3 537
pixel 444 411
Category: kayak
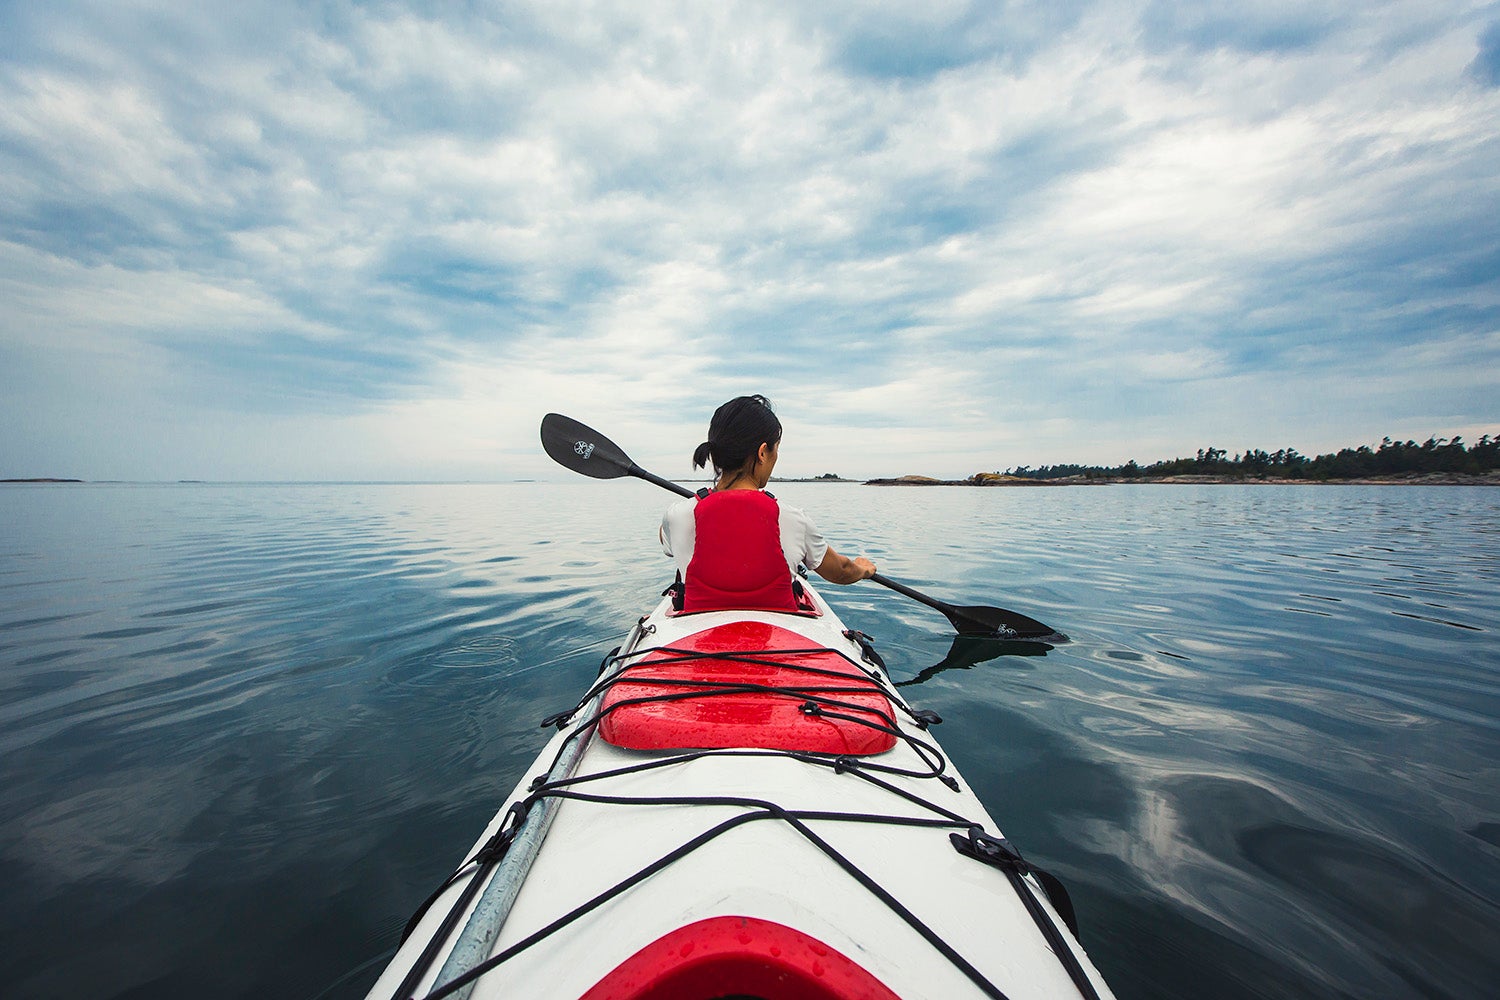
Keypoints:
pixel 743 805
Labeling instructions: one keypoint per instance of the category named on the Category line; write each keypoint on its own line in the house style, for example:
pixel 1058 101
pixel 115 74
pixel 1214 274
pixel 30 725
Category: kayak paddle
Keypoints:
pixel 579 447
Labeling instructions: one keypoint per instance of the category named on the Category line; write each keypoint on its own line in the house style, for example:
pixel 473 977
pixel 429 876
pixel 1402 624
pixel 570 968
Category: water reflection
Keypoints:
pixel 253 720
pixel 969 651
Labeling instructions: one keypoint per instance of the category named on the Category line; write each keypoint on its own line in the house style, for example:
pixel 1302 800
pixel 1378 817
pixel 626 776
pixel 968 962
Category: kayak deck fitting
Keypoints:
pixel 743 805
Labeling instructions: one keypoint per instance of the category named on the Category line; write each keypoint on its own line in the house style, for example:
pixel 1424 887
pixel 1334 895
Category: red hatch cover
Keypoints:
pixel 740 957
pixel 712 718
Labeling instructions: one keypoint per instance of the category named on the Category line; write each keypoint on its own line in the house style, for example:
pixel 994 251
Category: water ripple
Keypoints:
pixel 238 721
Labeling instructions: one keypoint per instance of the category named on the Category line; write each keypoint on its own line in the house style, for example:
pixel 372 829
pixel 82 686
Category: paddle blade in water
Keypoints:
pixel 579 447
pixel 1000 623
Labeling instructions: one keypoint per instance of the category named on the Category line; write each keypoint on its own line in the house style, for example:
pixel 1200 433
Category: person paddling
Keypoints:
pixel 737 546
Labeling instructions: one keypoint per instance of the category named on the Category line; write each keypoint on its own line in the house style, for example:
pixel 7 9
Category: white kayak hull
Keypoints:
pixel 791 849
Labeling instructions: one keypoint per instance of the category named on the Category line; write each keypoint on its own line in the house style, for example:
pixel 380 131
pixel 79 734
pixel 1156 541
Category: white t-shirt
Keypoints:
pixel 801 542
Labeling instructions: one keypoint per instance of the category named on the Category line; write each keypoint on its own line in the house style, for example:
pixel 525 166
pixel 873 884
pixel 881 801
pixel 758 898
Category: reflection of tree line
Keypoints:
pixel 1391 458
pixel 967 650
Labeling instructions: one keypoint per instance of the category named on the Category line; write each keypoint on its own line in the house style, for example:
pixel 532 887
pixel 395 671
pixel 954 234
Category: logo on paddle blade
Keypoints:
pixel 584 448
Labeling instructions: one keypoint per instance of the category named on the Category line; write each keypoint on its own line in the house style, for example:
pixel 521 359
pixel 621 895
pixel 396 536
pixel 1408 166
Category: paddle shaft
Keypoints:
pixel 666 484
pixel 915 595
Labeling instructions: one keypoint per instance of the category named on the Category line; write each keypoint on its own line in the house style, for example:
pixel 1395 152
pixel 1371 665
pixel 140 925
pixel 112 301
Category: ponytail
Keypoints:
pixel 736 432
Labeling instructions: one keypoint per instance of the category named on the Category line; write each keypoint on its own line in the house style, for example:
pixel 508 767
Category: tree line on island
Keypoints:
pixel 1435 456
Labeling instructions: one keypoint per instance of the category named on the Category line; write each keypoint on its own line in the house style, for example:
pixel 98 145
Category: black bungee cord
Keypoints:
pixel 816 702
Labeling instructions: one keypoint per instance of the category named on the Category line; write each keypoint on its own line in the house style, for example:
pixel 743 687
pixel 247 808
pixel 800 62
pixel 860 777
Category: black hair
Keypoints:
pixel 736 432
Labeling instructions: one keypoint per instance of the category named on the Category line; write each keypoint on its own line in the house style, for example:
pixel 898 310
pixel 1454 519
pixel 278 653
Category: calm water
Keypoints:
pixel 245 729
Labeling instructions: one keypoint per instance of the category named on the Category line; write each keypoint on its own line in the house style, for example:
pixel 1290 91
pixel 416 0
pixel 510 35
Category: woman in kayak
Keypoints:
pixel 737 546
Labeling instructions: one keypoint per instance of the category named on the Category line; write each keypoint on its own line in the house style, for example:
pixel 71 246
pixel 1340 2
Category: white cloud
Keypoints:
pixel 67 305
pixel 968 239
pixel 106 139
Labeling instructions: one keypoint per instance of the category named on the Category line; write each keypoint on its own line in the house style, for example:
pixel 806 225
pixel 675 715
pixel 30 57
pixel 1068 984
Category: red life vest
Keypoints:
pixel 737 559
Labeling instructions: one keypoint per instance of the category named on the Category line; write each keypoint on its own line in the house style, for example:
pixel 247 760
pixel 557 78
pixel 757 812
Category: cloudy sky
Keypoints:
pixel 375 240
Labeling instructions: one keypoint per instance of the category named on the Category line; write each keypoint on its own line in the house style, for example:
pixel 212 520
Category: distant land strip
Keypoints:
pixel 1436 461
pixel 1403 479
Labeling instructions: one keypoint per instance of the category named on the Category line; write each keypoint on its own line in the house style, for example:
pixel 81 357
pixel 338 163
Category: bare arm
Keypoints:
pixel 840 569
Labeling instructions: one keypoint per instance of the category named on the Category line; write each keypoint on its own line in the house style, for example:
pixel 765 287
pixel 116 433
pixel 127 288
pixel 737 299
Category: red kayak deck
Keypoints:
pixel 747 684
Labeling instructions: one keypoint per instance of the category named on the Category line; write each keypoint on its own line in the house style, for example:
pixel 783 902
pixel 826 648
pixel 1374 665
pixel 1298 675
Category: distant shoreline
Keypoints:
pixel 987 481
pixel 982 481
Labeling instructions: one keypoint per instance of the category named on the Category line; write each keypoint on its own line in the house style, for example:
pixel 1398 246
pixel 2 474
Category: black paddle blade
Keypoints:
pixel 579 447
pixel 1001 624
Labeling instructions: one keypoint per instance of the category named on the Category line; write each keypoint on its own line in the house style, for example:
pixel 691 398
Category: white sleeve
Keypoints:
pixel 801 541
pixel 678 531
